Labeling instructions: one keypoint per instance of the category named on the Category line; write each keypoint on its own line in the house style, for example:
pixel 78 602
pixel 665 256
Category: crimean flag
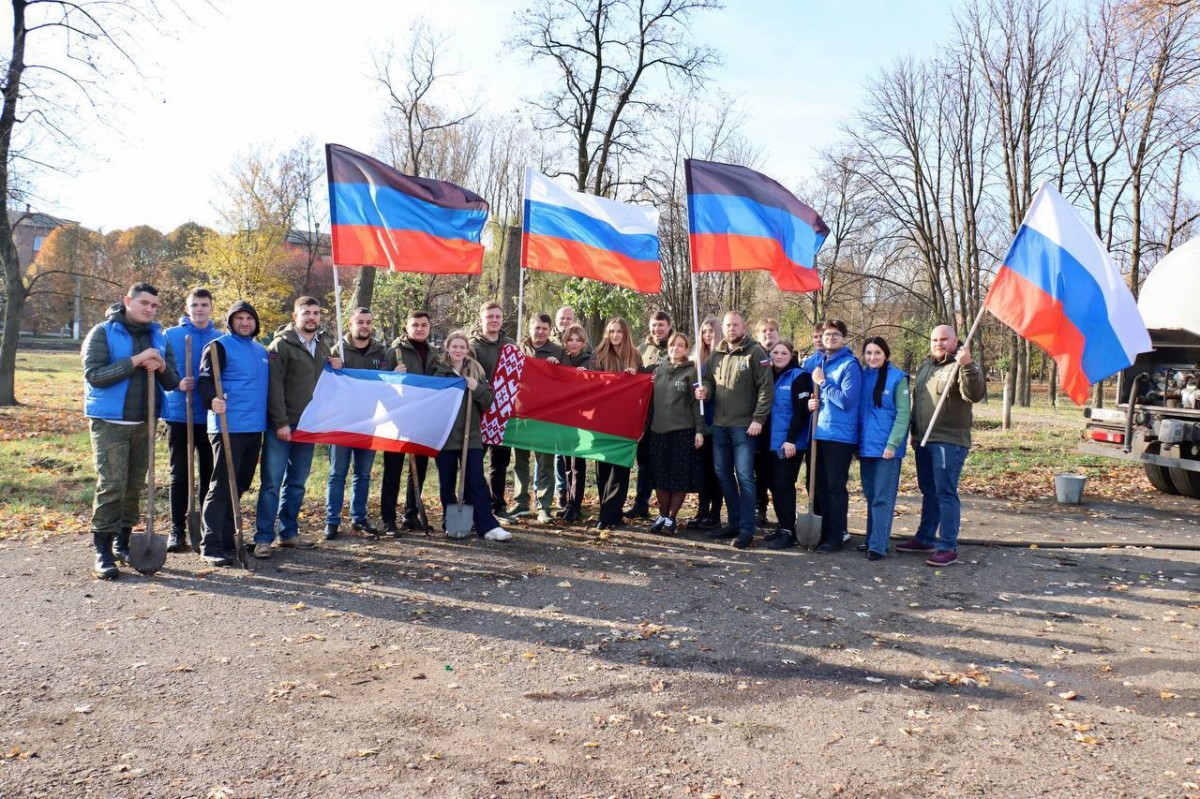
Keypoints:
pixel 583 235
pixel 382 217
pixel 740 219
pixel 389 411
pixel 546 407
pixel 1058 288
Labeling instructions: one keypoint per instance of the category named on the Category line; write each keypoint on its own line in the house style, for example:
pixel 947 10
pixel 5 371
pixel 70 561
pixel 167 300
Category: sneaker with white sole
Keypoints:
pixel 543 517
pixel 498 534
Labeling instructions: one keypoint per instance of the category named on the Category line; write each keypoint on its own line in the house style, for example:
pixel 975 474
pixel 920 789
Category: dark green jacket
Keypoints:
pixel 954 421
pixel 100 373
pixel 675 403
pixel 481 399
pixel 404 352
pixel 740 383
pixel 377 356
pixel 488 352
pixel 294 375
pixel 654 351
pixel 548 350
pixel 584 358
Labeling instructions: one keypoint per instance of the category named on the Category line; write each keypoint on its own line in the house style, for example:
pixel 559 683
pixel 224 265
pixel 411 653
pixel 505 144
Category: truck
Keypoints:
pixel 1157 417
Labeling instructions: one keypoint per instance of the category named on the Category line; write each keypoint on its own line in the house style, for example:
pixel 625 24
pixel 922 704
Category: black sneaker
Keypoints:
pixel 707 524
pixel 769 537
pixel 365 526
pixel 743 542
pixel 391 530
pixel 785 540
pixel 724 534
pixel 637 512
pixel 873 555
pixel 331 532
pixel 177 541
pixel 829 546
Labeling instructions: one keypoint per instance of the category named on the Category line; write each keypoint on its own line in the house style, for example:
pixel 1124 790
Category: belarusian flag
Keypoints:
pixel 545 407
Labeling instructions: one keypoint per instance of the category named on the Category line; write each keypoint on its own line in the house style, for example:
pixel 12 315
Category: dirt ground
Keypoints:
pixel 634 666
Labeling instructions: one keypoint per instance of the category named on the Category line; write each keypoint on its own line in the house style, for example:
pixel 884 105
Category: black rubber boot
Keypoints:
pixel 121 548
pixel 106 566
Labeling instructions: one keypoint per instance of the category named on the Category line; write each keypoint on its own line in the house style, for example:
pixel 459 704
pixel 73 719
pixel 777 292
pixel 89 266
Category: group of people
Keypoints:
pixel 734 431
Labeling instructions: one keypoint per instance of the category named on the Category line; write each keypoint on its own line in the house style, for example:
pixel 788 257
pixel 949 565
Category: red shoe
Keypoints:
pixel 943 557
pixel 913 545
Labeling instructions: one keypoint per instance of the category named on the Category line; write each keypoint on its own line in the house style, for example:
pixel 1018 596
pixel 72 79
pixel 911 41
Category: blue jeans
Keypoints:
pixel 335 488
pixel 938 469
pixel 733 461
pixel 880 482
pixel 285 467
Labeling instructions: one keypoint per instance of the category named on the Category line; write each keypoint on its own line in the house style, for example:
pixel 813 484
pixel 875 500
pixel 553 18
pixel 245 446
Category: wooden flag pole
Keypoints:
pixel 966 342
pixel 337 305
pixel 520 297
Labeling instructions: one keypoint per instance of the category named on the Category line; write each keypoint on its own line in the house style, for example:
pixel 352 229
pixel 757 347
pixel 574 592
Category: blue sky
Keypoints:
pixel 248 74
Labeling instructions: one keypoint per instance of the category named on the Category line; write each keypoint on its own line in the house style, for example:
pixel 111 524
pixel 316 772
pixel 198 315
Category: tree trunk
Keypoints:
pixel 364 289
pixel 14 283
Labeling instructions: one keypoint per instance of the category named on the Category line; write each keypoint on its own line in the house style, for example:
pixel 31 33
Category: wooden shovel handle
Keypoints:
pixel 150 421
pixel 231 473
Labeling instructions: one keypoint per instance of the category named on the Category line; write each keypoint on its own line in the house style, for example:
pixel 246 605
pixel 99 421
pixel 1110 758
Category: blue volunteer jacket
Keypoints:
pixel 837 419
pixel 782 411
pixel 876 423
pixel 109 402
pixel 244 379
pixel 175 404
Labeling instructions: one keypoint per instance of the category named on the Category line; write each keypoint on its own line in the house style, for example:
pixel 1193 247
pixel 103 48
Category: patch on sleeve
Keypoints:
pixel 271 355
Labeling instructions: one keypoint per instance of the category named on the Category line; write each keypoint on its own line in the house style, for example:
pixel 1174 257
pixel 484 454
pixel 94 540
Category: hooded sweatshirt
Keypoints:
pixel 115 389
pixel 245 377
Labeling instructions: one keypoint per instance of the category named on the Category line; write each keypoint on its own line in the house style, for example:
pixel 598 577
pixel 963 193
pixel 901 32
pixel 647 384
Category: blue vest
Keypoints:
pixel 782 411
pixel 843 375
pixel 109 402
pixel 175 404
pixel 877 423
pixel 244 379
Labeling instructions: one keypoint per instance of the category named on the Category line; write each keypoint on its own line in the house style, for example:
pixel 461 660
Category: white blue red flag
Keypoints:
pixel 1059 288
pixel 583 235
pixel 389 411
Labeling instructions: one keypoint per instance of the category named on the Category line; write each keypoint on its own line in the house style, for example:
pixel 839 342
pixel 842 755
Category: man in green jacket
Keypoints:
pixel 412 353
pixel 739 381
pixel 940 461
pixel 119 355
pixel 653 352
pixel 359 350
pixel 486 344
pixel 295 359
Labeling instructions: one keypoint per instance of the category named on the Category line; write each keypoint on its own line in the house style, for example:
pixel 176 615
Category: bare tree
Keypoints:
pixel 40 96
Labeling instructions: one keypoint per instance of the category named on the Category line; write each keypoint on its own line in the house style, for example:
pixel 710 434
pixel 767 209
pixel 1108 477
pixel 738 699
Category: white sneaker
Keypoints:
pixel 543 517
pixel 498 534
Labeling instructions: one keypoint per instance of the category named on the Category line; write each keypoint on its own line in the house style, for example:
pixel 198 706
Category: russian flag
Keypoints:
pixel 1059 288
pixel 583 235
pixel 389 411
pixel 382 217
pixel 740 219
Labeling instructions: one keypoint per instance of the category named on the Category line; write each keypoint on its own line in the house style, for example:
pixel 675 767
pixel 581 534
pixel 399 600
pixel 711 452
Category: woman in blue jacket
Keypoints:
pixel 839 380
pixel 788 437
pixel 885 410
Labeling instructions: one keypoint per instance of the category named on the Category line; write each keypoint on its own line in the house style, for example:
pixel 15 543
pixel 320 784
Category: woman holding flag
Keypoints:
pixel 616 353
pixel 458 362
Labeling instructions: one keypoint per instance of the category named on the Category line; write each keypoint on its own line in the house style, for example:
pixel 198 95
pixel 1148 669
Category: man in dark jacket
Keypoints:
pixel 538 345
pixel 245 378
pixel 119 355
pixel 412 353
pixel 739 381
pixel 654 353
pixel 296 357
pixel 197 326
pixel 360 350
pixel 940 461
pixel 486 344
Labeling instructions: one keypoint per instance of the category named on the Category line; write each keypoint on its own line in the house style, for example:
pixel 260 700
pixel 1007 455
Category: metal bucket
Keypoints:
pixel 1068 488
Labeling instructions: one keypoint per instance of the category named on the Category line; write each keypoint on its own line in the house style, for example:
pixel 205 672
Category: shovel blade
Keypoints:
pixel 808 530
pixel 193 530
pixel 459 520
pixel 147 552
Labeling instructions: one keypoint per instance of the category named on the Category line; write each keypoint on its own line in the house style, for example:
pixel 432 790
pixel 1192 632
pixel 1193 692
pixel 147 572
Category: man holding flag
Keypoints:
pixel 940 459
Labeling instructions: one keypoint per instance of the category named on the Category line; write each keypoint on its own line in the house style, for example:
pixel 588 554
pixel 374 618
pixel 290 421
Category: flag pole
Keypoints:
pixel 520 300
pixel 337 305
pixel 953 377
pixel 687 177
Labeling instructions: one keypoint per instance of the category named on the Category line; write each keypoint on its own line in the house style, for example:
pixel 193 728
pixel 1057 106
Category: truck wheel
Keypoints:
pixel 1186 482
pixel 1159 476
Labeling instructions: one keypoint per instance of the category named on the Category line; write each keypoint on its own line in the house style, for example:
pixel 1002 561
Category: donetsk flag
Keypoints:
pixel 381 217
pixel 740 219
pixel 1059 288
pixel 546 407
pixel 583 235
pixel 389 411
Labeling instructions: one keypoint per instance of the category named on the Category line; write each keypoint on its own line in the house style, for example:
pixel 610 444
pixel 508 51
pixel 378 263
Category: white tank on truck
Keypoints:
pixel 1157 418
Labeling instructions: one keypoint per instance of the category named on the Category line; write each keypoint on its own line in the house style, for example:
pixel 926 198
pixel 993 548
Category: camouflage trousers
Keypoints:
pixel 121 455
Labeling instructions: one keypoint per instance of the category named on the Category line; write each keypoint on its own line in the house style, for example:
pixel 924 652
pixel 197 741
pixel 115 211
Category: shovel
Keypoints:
pixel 193 513
pixel 422 517
pixel 147 551
pixel 460 518
pixel 808 526
pixel 234 500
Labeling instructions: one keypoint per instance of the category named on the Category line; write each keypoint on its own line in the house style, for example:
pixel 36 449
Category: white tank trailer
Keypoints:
pixel 1157 418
